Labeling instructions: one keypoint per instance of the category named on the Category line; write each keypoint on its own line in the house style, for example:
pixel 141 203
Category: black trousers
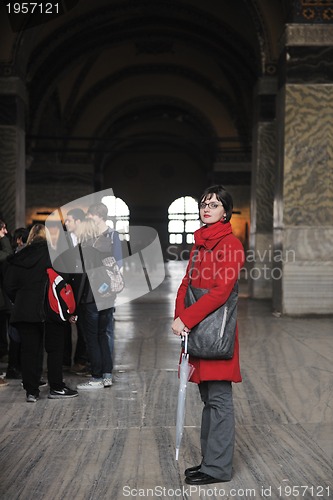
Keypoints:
pixel 4 316
pixel 33 337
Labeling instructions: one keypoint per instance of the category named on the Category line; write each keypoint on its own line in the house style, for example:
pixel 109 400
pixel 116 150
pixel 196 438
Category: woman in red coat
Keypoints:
pixel 217 263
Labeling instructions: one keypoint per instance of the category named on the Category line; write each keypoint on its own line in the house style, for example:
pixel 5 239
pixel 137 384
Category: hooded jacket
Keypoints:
pixel 25 282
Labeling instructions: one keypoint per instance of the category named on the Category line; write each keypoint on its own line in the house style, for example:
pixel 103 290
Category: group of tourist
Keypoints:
pixel 27 327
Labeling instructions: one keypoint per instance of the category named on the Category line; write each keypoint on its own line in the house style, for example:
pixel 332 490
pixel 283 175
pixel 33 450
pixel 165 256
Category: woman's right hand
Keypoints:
pixel 179 328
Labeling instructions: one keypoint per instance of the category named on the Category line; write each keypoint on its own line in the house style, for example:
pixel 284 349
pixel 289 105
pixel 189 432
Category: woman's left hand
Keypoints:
pixel 179 328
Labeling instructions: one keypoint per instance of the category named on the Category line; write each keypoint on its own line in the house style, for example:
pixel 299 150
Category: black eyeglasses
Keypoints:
pixel 212 205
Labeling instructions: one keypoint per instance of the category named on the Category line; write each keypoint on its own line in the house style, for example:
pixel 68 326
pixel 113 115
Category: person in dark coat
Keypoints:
pixel 5 251
pixel 13 371
pixel 219 257
pixel 26 282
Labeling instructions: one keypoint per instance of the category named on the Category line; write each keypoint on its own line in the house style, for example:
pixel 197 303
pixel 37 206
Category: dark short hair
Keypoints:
pixel 77 213
pixel 99 209
pixel 222 195
pixel 21 232
pixel 2 224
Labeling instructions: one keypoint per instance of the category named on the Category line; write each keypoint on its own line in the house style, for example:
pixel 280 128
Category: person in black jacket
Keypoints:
pixel 25 282
pixel 5 251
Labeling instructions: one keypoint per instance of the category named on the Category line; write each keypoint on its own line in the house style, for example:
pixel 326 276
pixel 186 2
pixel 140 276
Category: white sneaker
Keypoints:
pixel 90 385
pixel 107 382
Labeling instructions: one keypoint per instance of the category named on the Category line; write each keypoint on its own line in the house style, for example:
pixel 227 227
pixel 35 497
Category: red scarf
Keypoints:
pixel 209 236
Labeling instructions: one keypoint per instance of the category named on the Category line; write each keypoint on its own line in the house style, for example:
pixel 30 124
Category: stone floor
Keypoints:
pixel 119 443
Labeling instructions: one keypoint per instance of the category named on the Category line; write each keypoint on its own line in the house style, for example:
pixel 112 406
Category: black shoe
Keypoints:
pixel 63 393
pixel 192 471
pixel 202 478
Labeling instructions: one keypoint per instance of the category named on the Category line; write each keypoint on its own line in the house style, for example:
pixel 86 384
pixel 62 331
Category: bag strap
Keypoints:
pixel 83 277
pixel 81 257
pixel 192 265
pixel 191 268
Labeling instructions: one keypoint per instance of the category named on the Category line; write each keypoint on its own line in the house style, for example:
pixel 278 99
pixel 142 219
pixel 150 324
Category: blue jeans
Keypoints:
pixel 95 325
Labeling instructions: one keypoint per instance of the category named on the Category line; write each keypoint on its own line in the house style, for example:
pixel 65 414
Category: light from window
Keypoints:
pixel 176 226
pixel 119 213
pixel 183 220
pixel 175 239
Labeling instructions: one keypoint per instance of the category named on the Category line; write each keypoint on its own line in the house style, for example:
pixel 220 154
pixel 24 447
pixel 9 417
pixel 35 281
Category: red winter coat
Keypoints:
pixel 217 266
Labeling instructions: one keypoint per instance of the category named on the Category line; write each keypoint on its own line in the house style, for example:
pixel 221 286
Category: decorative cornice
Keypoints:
pixel 308 35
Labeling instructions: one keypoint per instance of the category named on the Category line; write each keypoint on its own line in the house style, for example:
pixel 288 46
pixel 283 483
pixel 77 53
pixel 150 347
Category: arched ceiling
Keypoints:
pixel 109 75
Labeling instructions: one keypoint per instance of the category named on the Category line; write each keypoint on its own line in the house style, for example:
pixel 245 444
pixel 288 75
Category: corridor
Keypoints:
pixel 119 443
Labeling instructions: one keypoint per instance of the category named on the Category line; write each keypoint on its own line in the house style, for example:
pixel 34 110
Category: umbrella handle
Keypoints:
pixel 184 338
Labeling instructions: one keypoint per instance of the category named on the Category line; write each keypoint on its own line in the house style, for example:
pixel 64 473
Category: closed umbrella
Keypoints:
pixel 185 372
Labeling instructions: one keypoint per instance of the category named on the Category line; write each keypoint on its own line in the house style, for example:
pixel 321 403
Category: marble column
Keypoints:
pixel 259 257
pixel 12 151
pixel 303 208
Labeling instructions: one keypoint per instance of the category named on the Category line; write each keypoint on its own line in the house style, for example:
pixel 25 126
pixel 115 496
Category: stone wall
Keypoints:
pixel 308 200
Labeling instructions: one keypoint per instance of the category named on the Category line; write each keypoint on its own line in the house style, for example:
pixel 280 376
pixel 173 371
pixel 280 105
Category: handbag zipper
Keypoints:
pixel 224 321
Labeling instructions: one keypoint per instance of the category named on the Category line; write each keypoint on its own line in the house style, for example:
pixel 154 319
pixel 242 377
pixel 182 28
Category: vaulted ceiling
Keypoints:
pixel 109 77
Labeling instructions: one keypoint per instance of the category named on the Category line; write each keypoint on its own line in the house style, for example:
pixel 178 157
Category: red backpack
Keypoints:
pixel 60 296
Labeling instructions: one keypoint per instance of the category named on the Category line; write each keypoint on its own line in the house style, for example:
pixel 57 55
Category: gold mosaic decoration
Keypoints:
pixel 315 11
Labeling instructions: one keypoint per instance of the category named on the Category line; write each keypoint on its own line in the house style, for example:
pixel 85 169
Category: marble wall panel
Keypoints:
pixel 262 192
pixel 308 167
pixel 307 288
pixel 308 270
pixel 308 243
pixel 307 199
pixel 12 170
pixel 260 265
pixel 263 188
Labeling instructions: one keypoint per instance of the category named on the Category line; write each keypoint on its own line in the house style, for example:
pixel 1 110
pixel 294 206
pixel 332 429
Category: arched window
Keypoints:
pixel 183 220
pixel 119 213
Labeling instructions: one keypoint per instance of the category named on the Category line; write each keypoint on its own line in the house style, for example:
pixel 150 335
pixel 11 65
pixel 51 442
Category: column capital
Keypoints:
pixel 306 54
pixel 307 35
